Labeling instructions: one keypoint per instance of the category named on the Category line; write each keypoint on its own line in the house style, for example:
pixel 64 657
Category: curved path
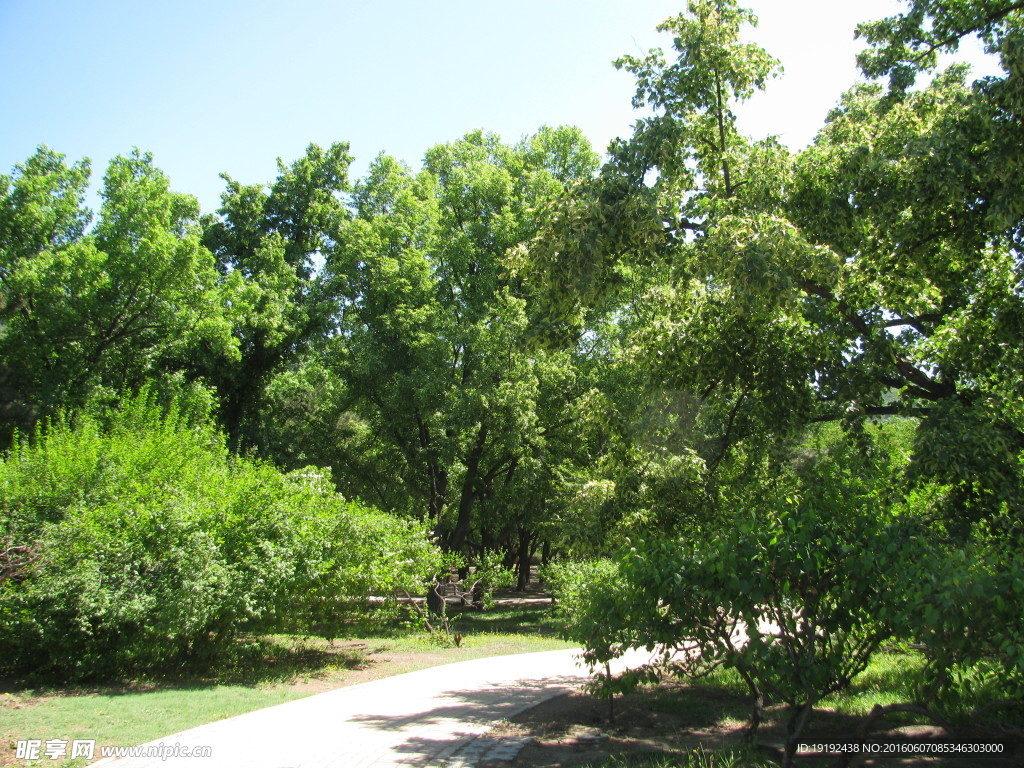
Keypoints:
pixel 431 717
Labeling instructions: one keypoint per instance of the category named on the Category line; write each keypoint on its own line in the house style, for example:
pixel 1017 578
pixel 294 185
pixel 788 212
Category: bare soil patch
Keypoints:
pixel 674 719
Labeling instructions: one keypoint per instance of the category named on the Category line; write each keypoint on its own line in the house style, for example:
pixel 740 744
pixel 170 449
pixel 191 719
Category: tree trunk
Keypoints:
pixel 509 558
pixel 457 541
pixel 794 729
pixel 523 579
pixel 435 602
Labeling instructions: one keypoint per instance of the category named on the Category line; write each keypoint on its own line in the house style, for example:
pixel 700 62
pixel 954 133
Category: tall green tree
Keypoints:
pixel 83 311
pixel 971 221
pixel 268 245
pixel 875 273
pixel 430 336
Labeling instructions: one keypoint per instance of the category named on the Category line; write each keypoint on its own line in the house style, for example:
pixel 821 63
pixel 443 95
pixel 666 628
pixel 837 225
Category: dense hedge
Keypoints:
pixel 137 541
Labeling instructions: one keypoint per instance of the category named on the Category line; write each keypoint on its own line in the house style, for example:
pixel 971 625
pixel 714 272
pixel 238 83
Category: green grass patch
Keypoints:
pixel 536 619
pixel 130 717
pixel 893 677
pixel 889 679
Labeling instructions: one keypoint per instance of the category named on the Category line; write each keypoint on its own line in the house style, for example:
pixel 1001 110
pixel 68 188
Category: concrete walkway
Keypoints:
pixel 431 717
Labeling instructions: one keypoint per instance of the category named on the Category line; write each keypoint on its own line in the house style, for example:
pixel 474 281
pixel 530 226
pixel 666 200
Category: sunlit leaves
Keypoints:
pixel 430 339
pixel 269 243
pixel 107 308
pixel 151 544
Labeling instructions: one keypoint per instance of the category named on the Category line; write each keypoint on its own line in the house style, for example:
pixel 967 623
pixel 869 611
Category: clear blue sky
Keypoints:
pixel 226 85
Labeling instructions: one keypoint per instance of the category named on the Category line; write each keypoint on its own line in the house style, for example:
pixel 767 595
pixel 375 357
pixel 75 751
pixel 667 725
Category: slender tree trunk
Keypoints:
pixel 457 541
pixel 436 604
pixel 794 729
pixel 756 715
pixel 523 579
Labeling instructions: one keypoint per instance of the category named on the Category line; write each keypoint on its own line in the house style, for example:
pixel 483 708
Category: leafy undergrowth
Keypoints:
pixel 259 672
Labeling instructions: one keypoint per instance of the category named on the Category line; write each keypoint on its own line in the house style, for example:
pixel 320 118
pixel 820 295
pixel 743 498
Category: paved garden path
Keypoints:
pixel 431 717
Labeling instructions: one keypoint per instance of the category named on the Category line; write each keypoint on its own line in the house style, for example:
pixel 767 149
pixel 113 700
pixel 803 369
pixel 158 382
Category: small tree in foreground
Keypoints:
pixel 795 593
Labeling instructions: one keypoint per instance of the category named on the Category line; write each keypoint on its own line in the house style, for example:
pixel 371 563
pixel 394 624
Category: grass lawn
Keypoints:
pixel 265 672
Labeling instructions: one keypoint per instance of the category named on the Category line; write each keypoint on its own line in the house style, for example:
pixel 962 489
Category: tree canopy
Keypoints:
pixel 876 272
pixel 429 339
pixel 100 309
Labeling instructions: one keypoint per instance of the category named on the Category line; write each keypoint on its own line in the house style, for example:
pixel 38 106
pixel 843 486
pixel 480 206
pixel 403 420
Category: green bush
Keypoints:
pixel 592 601
pixel 964 608
pixel 795 592
pixel 137 541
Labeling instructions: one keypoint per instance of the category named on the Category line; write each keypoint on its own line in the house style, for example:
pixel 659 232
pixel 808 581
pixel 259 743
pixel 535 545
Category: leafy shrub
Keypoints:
pixel 592 598
pixel 795 594
pixel 964 608
pixel 137 541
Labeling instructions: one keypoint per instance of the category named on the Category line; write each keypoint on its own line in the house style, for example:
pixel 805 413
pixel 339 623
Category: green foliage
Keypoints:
pixel 795 591
pixel 451 412
pixel 592 599
pixel 104 310
pixel 99 310
pixel 874 274
pixel 268 245
pixel 909 42
pixel 797 374
pixel 964 607
pixel 139 542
